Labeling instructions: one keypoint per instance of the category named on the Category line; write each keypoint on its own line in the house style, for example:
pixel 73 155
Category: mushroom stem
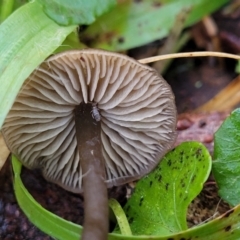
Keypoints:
pixel 94 186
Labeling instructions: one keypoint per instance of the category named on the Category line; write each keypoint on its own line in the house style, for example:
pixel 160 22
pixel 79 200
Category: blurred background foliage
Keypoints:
pixel 128 24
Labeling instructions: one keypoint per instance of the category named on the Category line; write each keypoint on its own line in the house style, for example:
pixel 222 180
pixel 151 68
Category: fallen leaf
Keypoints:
pixel 4 152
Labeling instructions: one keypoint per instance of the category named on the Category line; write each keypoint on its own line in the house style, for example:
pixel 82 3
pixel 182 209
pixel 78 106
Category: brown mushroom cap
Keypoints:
pixel 138 116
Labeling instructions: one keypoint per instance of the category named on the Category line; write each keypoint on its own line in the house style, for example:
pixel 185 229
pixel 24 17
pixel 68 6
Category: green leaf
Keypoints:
pixel 134 23
pixel 28 37
pixel 77 12
pixel 40 217
pixel 237 68
pixel 6 8
pixel 226 164
pixel 159 203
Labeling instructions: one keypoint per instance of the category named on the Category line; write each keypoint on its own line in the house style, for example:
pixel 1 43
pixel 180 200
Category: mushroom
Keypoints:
pixel 92 119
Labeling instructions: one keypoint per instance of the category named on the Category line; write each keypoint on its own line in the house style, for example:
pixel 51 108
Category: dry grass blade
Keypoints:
pixel 189 54
pixel 171 43
pixel 4 151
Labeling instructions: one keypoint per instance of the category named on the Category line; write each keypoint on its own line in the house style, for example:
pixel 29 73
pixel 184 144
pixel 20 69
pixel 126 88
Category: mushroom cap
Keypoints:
pixel 137 108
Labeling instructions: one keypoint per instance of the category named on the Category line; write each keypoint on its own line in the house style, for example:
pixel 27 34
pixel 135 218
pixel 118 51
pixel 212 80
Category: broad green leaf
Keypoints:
pixel 159 203
pixel 75 11
pixel 224 227
pixel 226 164
pixel 134 23
pixel 28 37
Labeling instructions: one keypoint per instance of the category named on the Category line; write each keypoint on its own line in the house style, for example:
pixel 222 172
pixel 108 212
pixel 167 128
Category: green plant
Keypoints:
pixel 226 167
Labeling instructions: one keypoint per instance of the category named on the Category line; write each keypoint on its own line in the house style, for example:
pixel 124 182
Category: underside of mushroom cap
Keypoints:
pixel 136 105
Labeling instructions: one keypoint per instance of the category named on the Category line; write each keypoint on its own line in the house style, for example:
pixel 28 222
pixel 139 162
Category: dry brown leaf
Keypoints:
pixel 4 152
pixel 225 100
